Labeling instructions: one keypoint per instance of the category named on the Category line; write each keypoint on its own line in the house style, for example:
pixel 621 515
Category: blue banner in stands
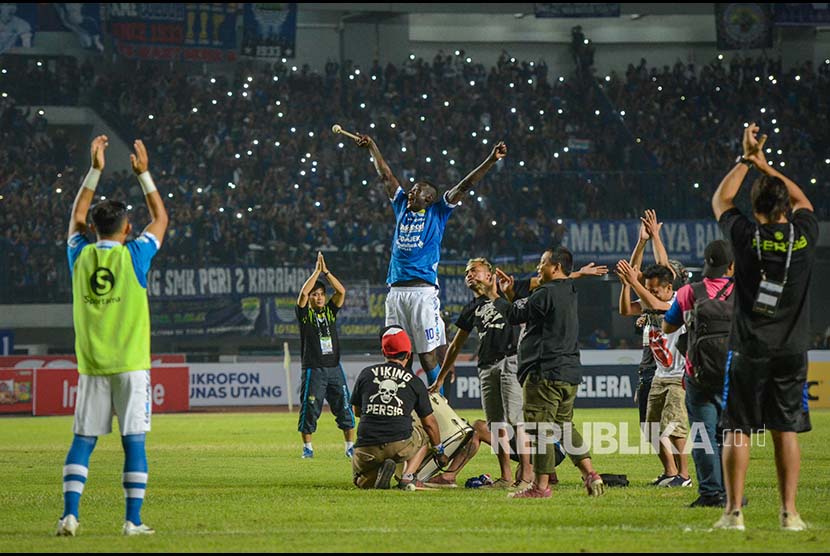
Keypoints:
pixel 270 30
pixel 177 32
pixel 577 10
pixel 802 14
pixel 608 241
pixel 18 23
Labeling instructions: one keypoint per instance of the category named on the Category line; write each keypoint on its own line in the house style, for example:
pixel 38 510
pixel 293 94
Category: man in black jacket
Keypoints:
pixel 549 368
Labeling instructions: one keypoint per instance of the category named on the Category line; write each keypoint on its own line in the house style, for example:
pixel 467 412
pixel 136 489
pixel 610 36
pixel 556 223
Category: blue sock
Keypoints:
pixel 135 475
pixel 433 375
pixel 75 471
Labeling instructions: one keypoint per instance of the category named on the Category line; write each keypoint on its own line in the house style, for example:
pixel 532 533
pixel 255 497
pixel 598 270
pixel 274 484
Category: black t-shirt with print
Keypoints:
pixel 788 331
pixel 521 288
pixel 316 328
pixel 387 394
pixel 496 338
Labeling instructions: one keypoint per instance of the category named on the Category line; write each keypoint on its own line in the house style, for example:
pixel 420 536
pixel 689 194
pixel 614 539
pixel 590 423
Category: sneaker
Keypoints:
pixel 662 480
pixel 594 484
pixel 709 501
pixel 679 481
pixel 350 453
pixel 131 530
pixel 441 482
pixel 732 520
pixel 553 480
pixel 499 484
pixel 521 484
pixel 67 526
pixel 531 492
pixel 385 474
pixel 791 521
pixel 307 453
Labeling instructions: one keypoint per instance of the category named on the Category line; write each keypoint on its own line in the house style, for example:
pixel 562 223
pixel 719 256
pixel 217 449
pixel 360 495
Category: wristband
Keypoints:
pixel 439 449
pixel 91 179
pixel 742 160
pixel 146 182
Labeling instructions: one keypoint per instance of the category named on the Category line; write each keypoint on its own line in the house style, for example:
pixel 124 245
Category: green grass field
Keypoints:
pixel 236 483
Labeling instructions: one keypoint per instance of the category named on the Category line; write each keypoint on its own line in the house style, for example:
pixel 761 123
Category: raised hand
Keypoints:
pixel 754 147
pixel 139 161
pixel 649 220
pixel 626 272
pixel 365 141
pixel 499 151
pixel 592 269
pixel 96 151
pixel 321 263
pixel 644 235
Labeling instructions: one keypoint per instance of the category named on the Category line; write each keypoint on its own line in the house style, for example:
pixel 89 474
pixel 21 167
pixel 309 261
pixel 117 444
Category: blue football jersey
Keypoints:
pixel 416 245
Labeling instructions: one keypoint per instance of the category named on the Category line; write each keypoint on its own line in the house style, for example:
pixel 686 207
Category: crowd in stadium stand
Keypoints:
pixel 251 172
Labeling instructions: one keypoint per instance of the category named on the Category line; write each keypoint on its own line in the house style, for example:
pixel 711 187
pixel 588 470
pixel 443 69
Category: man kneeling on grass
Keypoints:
pixel 384 398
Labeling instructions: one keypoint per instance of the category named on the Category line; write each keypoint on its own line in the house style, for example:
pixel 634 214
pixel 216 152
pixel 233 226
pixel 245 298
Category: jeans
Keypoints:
pixel 704 410
pixel 643 388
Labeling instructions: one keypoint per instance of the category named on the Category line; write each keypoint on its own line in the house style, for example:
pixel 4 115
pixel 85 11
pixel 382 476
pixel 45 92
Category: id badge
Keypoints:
pixel 326 345
pixel 769 295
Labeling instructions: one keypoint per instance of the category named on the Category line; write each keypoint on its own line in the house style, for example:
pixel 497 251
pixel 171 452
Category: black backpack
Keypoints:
pixel 708 327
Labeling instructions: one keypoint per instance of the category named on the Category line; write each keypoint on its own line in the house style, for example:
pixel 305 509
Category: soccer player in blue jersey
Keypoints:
pixel 112 335
pixel 421 216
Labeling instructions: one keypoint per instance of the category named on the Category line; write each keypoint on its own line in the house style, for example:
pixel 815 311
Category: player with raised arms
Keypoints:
pixel 421 216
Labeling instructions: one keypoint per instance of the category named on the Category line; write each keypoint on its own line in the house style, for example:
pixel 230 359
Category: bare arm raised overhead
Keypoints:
pixel 158 214
pixel 456 193
pixel 80 208
pixel 390 182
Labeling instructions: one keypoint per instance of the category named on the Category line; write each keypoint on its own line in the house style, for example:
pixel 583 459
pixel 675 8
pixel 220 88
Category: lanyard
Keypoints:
pixel 789 252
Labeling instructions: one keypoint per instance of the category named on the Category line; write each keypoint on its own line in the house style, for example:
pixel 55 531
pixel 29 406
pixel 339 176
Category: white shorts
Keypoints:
pixel 128 394
pixel 418 311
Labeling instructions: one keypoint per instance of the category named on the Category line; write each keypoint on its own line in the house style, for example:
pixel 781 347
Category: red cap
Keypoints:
pixel 394 341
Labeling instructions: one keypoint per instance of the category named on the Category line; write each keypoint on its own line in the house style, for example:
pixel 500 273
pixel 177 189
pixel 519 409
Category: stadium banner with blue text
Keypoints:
pixel 238 384
pixel 802 13
pixel 743 25
pixel 269 30
pixel 602 386
pixel 82 19
pixel 592 9
pixel 18 23
pixel 204 32
pixel 608 241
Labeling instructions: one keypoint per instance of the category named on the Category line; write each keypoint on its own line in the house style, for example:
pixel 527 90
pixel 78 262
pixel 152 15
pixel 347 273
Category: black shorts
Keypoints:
pixel 766 393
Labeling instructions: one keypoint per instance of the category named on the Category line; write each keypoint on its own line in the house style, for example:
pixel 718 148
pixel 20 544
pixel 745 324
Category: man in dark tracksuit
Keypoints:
pixel 549 368
pixel 322 375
